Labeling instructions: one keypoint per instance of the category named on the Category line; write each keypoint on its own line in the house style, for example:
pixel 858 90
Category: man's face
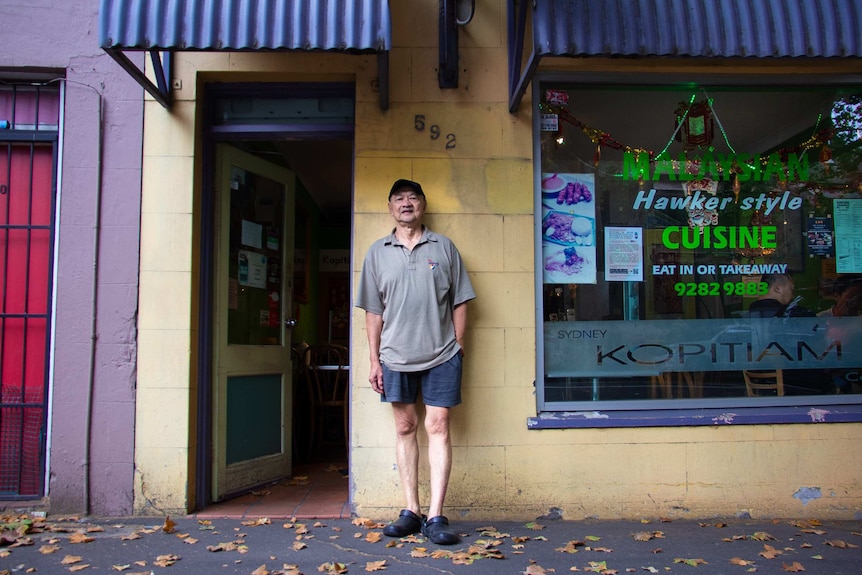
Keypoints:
pixel 785 292
pixel 406 206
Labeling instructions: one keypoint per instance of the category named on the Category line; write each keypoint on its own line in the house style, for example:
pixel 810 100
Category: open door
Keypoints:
pixel 252 404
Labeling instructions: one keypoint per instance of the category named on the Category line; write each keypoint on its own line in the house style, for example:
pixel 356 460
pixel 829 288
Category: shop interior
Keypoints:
pixel 321 284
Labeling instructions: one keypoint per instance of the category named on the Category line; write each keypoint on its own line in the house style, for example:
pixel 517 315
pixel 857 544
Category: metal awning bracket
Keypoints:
pixel 161 62
pixel 519 79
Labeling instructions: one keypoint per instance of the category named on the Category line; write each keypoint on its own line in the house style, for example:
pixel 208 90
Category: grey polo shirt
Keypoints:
pixel 415 292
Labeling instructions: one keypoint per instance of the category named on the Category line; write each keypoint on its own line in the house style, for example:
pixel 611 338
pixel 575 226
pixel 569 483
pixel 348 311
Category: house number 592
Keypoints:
pixel 433 130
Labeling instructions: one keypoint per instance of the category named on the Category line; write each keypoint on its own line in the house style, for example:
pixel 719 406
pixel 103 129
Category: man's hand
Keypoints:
pixel 375 377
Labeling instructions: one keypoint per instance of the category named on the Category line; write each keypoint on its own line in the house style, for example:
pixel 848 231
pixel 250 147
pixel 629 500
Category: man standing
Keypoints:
pixel 414 290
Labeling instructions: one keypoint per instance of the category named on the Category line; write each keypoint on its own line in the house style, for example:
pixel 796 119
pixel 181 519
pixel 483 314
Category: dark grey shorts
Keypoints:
pixel 440 385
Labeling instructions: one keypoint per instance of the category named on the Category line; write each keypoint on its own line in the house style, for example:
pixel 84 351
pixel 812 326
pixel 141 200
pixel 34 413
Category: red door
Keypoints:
pixel 26 238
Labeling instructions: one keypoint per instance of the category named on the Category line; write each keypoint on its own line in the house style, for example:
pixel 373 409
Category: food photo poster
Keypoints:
pixel 568 228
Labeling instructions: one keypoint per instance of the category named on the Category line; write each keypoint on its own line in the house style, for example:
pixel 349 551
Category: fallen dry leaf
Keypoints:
pixel 80 537
pixel 130 536
pixel 692 562
pixel 363 522
pixel 571 546
pixel 46 549
pixel 80 567
pixel 166 560
pixel 262 570
pixel 770 552
pixel 373 536
pixel 121 567
pixel 298 545
pixel 534 569
pixel 762 536
pixel 841 544
pixel 375 565
pixel 534 526
pixel 168 526
pixel 332 568
pixel 794 567
pixel 256 522
pixel 741 561
pixel 229 546
pixel 69 559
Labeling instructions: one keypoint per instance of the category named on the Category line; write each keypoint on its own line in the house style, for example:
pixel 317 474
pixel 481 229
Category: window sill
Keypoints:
pixel 693 416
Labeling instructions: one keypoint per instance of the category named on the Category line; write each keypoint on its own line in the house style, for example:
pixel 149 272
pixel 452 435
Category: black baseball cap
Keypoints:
pixel 409 184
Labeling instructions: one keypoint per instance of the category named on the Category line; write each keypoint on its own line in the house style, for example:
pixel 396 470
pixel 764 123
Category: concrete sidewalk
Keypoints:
pixel 260 546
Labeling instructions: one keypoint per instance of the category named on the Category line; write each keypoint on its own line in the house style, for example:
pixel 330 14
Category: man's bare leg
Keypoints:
pixel 439 456
pixel 407 452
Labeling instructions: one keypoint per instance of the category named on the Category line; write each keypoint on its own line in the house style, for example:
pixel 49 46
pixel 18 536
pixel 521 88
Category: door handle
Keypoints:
pixel 290 322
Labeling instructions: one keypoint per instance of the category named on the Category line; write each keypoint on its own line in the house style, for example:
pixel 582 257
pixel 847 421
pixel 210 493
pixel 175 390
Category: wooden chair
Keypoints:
pixel 326 373
pixel 664 382
pixel 757 381
pixel 660 382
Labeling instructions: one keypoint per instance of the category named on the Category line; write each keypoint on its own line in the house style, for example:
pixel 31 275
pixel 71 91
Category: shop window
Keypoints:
pixel 688 235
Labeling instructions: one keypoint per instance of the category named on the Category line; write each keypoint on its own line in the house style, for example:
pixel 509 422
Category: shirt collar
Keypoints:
pixel 427 236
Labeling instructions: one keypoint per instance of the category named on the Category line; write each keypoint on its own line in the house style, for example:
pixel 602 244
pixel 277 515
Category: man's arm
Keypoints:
pixel 374 327
pixel 459 320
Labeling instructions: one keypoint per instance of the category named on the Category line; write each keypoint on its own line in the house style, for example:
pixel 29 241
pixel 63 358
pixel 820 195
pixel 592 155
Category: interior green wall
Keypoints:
pixel 322 237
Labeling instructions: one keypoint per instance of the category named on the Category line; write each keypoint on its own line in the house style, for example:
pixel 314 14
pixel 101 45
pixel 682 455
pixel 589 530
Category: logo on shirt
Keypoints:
pixel 432 264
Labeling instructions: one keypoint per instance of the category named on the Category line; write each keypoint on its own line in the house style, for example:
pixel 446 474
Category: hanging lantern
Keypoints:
pixel 697 124
pixel 758 220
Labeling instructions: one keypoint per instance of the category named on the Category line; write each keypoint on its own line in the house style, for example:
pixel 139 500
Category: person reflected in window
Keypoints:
pixel 848 303
pixel 848 297
pixel 778 301
pixel 414 289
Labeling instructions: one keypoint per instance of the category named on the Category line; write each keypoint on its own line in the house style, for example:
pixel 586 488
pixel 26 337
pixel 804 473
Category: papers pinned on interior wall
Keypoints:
pixel 820 237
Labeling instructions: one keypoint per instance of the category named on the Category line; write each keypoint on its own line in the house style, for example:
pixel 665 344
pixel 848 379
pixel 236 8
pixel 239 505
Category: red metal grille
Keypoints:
pixel 27 167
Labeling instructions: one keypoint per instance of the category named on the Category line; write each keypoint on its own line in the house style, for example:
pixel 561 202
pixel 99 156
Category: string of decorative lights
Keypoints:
pixel 819 138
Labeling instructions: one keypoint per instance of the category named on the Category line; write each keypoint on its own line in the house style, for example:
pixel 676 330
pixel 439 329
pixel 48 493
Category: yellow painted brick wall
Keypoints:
pixel 480 194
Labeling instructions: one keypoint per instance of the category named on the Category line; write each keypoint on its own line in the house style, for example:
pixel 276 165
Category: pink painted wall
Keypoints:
pixel 65 44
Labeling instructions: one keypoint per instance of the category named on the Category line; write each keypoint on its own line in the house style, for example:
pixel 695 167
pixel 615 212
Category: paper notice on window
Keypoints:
pixel 848 235
pixel 252 234
pixel 624 254
pixel 252 269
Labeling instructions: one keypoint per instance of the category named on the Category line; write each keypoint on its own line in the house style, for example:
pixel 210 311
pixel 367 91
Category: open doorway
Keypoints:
pixel 306 133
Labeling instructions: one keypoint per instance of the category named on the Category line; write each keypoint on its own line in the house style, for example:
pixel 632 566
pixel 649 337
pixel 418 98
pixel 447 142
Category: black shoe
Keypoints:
pixel 438 531
pixel 407 523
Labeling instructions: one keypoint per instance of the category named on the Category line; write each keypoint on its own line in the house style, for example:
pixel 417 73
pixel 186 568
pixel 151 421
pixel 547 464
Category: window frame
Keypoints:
pixel 670 412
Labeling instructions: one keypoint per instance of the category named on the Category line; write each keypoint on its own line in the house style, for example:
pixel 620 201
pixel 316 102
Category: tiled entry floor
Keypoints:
pixel 316 491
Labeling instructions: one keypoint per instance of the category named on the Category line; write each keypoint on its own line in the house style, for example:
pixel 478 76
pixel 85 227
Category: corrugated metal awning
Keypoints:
pixel 681 28
pixel 161 27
